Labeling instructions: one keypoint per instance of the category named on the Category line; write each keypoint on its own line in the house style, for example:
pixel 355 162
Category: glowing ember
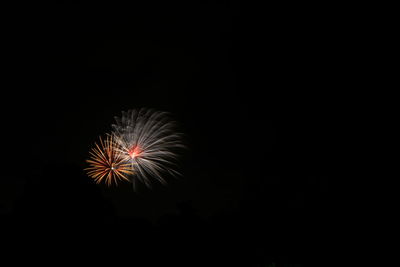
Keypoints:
pixel 134 152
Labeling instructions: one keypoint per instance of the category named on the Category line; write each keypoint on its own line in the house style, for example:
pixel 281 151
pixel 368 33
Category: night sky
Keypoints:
pixel 254 92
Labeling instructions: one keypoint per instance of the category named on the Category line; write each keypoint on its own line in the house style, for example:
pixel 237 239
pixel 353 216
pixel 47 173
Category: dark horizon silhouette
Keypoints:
pixel 261 229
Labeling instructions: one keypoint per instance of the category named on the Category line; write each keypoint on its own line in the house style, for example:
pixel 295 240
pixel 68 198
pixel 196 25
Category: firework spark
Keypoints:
pixel 107 164
pixel 148 141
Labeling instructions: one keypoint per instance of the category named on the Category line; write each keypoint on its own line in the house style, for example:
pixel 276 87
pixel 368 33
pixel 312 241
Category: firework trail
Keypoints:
pixel 148 141
pixel 107 163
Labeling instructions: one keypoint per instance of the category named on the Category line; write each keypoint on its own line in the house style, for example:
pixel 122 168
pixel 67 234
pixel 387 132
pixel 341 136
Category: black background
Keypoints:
pixel 254 89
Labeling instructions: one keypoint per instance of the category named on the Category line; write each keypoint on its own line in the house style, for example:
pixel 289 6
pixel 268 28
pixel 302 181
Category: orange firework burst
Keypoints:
pixel 107 164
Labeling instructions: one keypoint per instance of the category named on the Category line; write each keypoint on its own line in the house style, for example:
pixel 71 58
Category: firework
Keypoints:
pixel 107 164
pixel 148 141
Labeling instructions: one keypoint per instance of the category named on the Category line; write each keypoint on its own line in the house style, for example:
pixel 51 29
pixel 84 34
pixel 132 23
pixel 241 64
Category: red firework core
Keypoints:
pixel 134 152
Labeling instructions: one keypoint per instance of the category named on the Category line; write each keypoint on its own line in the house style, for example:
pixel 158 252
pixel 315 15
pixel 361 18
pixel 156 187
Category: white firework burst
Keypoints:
pixel 149 141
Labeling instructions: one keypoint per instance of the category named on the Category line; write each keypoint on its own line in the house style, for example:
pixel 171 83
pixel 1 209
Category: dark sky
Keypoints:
pixel 253 88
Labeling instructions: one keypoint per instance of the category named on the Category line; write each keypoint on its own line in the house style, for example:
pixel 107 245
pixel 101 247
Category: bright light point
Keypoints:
pixel 134 152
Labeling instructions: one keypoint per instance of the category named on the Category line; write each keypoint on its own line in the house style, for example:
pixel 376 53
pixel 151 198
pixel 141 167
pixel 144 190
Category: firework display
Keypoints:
pixel 144 145
pixel 107 164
